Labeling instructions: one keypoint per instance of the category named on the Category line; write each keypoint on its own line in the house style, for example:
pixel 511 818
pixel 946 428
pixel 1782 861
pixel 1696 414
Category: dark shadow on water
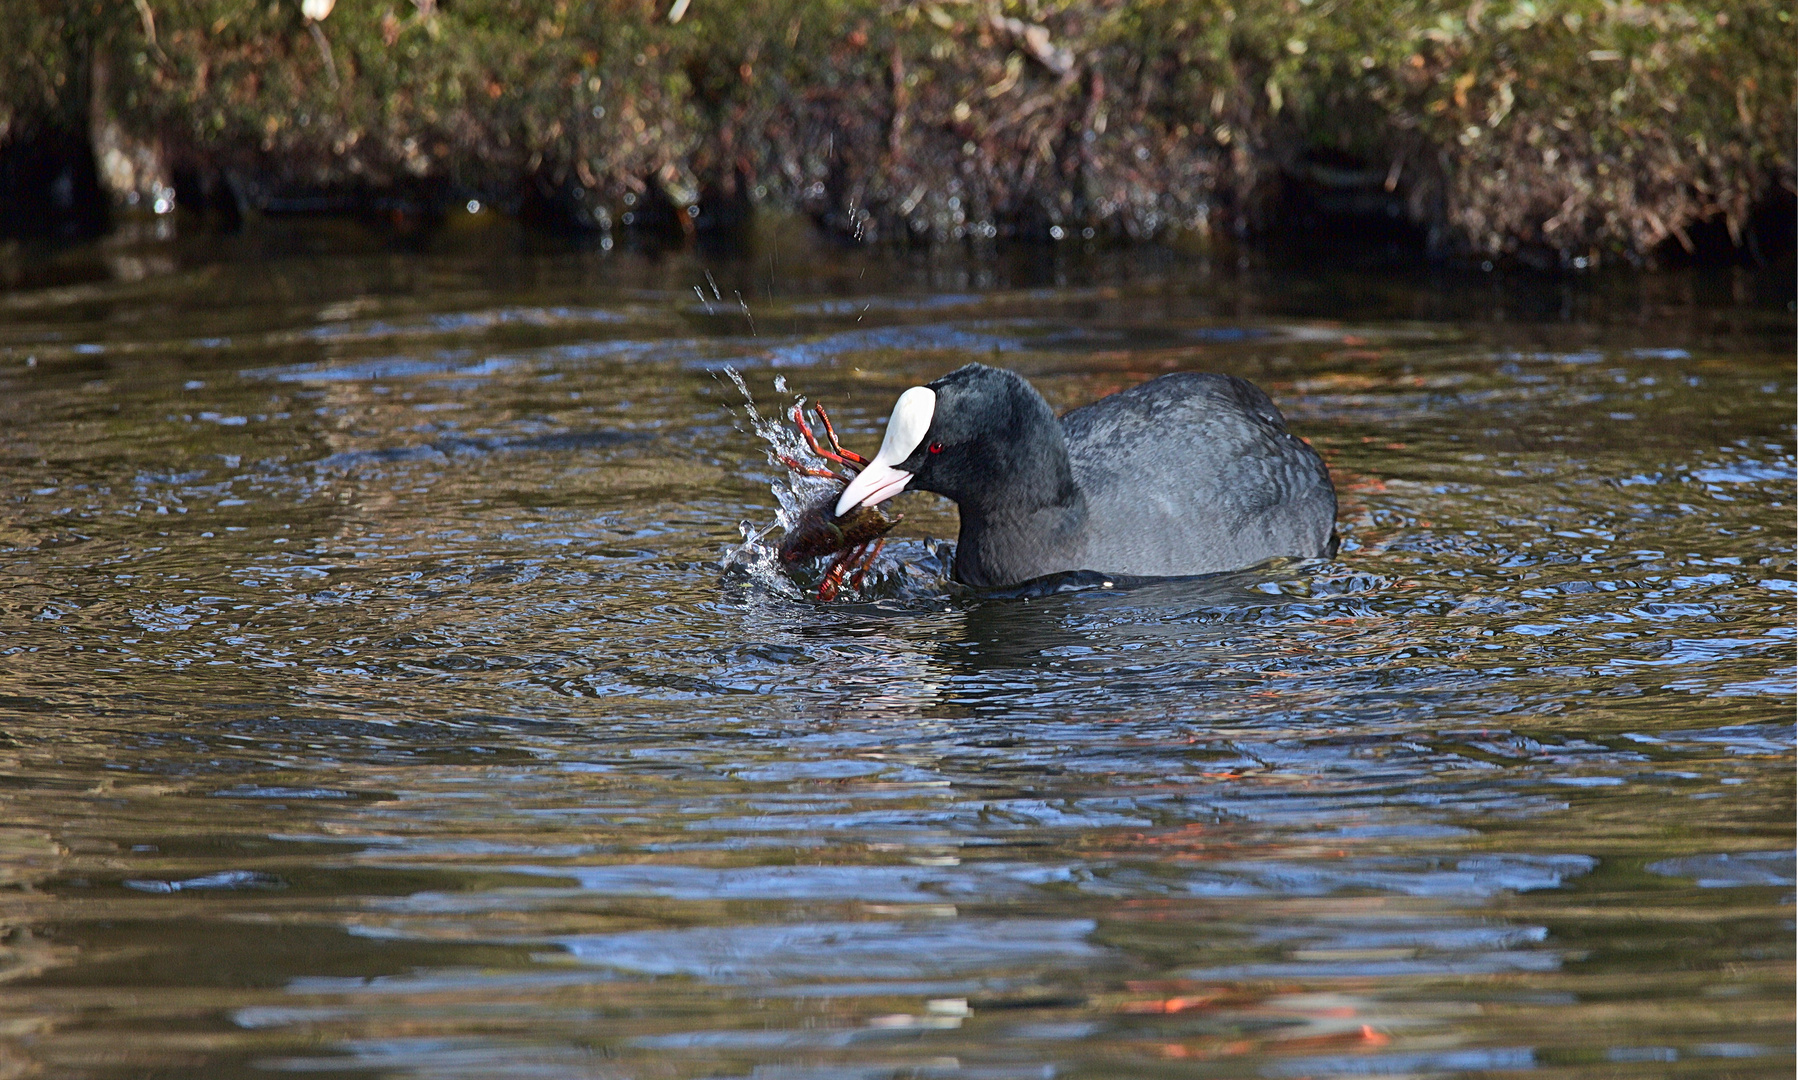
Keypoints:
pixel 1108 614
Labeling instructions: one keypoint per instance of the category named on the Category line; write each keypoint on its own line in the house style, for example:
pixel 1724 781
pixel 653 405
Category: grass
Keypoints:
pixel 1573 130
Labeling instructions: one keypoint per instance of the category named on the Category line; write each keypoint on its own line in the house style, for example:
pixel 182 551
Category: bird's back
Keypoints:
pixel 1192 474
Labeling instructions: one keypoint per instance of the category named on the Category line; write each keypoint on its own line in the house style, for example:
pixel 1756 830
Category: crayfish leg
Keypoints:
pixel 866 562
pixel 839 568
pixel 807 470
pixel 830 432
pixel 833 579
pixel 836 452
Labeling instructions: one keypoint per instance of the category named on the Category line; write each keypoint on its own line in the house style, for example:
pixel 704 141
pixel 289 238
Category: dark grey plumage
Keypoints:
pixel 1185 474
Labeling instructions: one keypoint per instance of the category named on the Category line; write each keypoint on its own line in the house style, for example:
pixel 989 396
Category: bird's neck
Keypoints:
pixel 1006 551
pixel 1040 520
pixel 1028 468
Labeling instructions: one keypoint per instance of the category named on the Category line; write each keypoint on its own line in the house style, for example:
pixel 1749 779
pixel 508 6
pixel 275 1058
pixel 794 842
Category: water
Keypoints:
pixel 375 703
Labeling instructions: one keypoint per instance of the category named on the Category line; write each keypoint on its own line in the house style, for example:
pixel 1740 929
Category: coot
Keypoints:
pixel 1185 474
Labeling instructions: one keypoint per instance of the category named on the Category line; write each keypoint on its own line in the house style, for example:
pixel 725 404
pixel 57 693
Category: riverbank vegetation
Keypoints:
pixel 1556 132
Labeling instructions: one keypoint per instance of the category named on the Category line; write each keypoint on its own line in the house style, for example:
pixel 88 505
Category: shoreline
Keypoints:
pixel 1551 135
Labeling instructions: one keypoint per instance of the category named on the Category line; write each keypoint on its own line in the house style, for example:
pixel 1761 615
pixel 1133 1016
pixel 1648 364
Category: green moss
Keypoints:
pixel 1580 127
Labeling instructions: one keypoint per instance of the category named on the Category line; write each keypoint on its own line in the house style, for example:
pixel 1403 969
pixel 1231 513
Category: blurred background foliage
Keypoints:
pixel 1550 130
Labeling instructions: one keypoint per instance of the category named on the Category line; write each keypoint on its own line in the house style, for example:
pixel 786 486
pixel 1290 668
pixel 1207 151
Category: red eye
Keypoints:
pixel 936 447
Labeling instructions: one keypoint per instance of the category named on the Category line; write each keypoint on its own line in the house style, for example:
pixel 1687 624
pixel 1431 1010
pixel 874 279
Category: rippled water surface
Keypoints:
pixel 375 701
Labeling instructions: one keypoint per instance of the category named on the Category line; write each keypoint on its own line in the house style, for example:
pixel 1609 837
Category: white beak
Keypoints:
pixel 906 428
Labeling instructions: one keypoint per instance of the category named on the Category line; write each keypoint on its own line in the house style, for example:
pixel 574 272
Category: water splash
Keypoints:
pixel 753 563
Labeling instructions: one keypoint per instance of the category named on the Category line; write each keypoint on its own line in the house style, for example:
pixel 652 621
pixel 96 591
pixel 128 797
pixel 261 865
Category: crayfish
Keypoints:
pixel 855 538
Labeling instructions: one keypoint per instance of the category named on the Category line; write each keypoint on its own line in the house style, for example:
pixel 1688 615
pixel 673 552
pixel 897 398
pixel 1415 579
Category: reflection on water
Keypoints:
pixel 374 706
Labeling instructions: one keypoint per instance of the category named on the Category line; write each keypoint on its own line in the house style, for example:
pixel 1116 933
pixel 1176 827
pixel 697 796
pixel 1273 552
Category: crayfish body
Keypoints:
pixel 854 538
pixel 819 532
